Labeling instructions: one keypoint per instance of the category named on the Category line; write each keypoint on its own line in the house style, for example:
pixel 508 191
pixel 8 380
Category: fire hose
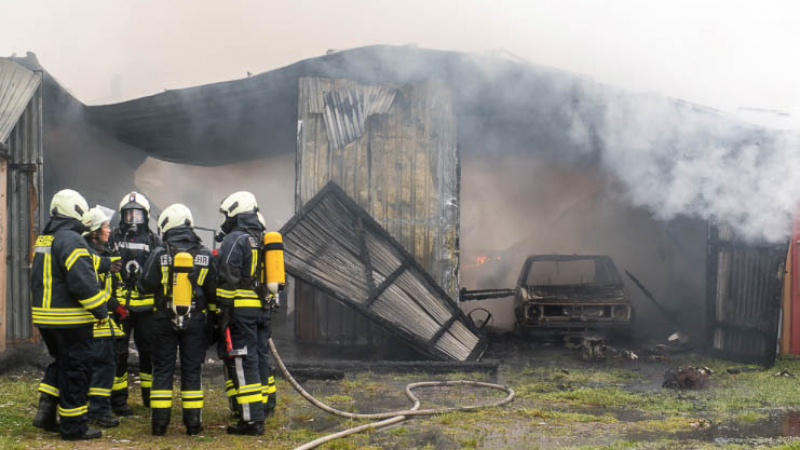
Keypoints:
pixel 390 417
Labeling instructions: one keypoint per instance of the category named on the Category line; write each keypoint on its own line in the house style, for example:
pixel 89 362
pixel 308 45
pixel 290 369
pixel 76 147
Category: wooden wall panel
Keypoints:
pixel 404 170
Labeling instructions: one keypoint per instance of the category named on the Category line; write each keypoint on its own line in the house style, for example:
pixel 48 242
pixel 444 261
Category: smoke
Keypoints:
pixel 203 188
pixel 680 160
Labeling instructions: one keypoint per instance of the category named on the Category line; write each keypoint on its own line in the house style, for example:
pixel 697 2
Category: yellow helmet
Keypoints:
pixel 68 203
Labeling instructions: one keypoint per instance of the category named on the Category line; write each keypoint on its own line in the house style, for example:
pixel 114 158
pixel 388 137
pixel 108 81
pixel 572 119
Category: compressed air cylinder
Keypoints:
pixel 273 257
pixel 182 286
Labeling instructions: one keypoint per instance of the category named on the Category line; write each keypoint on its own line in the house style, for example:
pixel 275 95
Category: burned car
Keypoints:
pixel 571 293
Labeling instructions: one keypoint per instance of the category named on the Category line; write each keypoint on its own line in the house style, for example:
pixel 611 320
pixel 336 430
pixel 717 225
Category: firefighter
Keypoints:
pixel 132 240
pixel 103 363
pixel 66 301
pixel 182 274
pixel 229 368
pixel 244 312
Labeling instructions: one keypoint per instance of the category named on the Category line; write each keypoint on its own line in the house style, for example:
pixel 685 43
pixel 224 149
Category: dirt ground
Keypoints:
pixel 562 401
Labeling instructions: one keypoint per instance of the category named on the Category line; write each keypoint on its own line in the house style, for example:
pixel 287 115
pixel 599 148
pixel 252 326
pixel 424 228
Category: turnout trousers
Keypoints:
pixel 189 344
pixel 103 366
pixel 141 324
pixel 250 370
pixel 68 377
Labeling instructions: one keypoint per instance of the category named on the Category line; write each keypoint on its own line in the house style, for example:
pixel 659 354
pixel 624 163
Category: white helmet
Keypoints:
pixel 238 203
pixel 94 219
pixel 261 220
pixel 68 203
pixel 174 215
pixel 138 200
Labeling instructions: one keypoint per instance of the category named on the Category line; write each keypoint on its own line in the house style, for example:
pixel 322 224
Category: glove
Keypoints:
pixel 274 302
pixel 122 312
pixel 116 266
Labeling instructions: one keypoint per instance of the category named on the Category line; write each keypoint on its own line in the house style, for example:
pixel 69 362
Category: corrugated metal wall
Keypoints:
pixel 24 191
pixel 744 297
pixel 394 151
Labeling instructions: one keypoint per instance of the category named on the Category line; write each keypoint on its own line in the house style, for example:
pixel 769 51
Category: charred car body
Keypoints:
pixel 571 293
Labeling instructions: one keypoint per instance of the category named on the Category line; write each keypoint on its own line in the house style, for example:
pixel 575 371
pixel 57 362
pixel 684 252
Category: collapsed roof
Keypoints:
pixel 502 106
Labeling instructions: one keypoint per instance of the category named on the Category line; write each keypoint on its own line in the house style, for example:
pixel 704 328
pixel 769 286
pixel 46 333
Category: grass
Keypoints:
pixel 555 408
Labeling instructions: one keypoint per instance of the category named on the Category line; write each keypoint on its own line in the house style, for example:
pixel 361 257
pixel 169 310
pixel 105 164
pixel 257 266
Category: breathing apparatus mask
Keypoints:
pixel 133 218
pixel 226 227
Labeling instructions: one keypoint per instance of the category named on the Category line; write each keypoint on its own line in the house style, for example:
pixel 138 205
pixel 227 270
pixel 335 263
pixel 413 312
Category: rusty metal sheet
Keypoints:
pixel 334 245
pixel 744 296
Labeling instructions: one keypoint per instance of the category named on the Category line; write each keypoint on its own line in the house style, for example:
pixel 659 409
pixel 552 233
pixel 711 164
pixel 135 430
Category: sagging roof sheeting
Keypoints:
pixel 502 106
pixel 17 86
pixel 254 117
pixel 333 244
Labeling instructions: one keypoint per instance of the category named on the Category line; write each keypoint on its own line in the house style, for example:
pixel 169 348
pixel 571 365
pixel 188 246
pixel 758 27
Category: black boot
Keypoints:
pixel 193 419
pixel 146 397
pixel 160 420
pixel 106 421
pixel 122 410
pixel 46 415
pixel 247 428
pixel 90 433
pixel 119 403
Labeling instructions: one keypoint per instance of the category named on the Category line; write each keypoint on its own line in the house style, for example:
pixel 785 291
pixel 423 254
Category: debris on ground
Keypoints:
pixel 687 377
pixel 593 348
pixel 658 358
pixel 678 337
pixel 784 373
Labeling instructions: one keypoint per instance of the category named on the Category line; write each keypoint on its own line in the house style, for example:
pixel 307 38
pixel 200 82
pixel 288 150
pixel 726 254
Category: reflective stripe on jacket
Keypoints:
pixel 238 264
pixel 65 290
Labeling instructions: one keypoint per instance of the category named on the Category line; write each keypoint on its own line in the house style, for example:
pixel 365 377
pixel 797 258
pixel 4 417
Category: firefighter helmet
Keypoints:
pixel 94 219
pixel 173 216
pixel 135 200
pixel 68 203
pixel 238 203
pixel 134 208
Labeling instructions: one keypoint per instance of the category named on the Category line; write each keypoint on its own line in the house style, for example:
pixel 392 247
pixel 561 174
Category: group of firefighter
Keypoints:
pixel 92 287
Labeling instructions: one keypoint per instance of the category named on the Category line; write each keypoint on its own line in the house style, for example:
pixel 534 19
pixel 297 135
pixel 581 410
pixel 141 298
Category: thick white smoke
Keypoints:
pixel 677 159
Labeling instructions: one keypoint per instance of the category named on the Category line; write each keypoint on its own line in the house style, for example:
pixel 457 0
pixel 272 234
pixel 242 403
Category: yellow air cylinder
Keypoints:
pixel 182 286
pixel 273 258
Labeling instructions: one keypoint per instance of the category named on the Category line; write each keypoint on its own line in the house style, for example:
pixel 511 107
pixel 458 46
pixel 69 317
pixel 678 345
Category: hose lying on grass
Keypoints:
pixel 389 417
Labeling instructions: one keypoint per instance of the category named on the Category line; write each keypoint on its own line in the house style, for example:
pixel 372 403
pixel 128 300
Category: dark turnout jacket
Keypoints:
pixel 155 277
pixel 65 291
pixel 238 264
pixel 134 249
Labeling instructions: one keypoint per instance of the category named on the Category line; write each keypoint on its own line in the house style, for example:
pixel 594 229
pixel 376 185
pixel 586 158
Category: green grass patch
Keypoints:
pixel 338 399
